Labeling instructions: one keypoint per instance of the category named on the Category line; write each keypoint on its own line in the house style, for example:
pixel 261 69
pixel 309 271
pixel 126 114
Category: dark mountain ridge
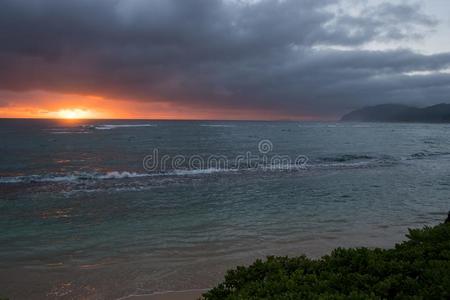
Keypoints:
pixel 439 113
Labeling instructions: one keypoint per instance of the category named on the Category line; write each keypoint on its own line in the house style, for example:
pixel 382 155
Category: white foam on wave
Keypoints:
pixel 339 125
pixel 65 130
pixel 117 175
pixel 114 175
pixel 69 132
pixel 115 126
pixel 120 175
pixel 38 178
pixel 198 171
pixel 340 165
pixel 217 125
pixel 71 177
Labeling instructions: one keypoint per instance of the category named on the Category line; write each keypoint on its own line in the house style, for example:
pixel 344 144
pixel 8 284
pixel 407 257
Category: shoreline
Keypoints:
pixel 193 294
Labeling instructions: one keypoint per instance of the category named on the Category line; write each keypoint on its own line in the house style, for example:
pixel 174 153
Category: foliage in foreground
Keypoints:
pixel 418 268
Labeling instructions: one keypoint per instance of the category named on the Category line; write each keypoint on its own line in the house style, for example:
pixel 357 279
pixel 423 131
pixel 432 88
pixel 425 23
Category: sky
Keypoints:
pixel 220 59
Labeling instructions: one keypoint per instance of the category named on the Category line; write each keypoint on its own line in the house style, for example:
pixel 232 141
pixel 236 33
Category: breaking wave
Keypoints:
pixel 346 161
pixel 114 175
pixel 217 125
pixel 116 126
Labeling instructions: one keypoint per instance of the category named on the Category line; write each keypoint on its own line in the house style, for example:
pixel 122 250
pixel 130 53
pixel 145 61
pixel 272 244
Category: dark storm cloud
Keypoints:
pixel 268 54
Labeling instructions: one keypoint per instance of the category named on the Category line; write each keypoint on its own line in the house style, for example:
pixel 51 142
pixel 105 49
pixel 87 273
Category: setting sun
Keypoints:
pixel 74 113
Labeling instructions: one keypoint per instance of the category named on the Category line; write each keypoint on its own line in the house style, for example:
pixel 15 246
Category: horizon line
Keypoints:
pixel 149 119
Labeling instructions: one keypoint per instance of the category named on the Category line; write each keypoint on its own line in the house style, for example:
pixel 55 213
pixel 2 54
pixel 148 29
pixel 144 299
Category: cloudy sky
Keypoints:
pixel 221 59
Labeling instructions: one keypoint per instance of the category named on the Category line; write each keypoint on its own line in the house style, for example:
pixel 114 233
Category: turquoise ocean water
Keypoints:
pixel 82 215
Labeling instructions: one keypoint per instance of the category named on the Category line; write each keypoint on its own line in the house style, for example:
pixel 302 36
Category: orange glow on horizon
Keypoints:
pixel 48 105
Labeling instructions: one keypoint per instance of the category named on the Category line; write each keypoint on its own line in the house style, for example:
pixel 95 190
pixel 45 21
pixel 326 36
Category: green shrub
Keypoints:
pixel 418 268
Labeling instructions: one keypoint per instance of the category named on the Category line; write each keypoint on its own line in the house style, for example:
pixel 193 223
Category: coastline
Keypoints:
pixel 169 295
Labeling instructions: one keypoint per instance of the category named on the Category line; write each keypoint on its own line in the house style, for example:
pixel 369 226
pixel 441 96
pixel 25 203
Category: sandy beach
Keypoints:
pixel 175 295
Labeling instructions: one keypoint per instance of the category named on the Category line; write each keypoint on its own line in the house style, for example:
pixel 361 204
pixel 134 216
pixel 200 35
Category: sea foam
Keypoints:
pixel 114 175
pixel 116 126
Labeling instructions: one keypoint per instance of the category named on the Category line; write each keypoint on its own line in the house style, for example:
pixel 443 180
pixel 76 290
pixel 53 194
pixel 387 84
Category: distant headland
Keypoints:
pixel 439 113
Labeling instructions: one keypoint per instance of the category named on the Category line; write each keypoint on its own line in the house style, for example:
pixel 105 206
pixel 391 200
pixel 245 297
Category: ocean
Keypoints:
pixel 104 209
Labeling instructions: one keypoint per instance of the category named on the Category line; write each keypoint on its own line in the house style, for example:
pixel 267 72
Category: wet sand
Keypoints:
pixel 176 295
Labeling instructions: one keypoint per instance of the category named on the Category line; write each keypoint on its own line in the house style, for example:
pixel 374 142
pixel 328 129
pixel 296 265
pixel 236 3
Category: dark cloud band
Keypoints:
pixel 280 56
